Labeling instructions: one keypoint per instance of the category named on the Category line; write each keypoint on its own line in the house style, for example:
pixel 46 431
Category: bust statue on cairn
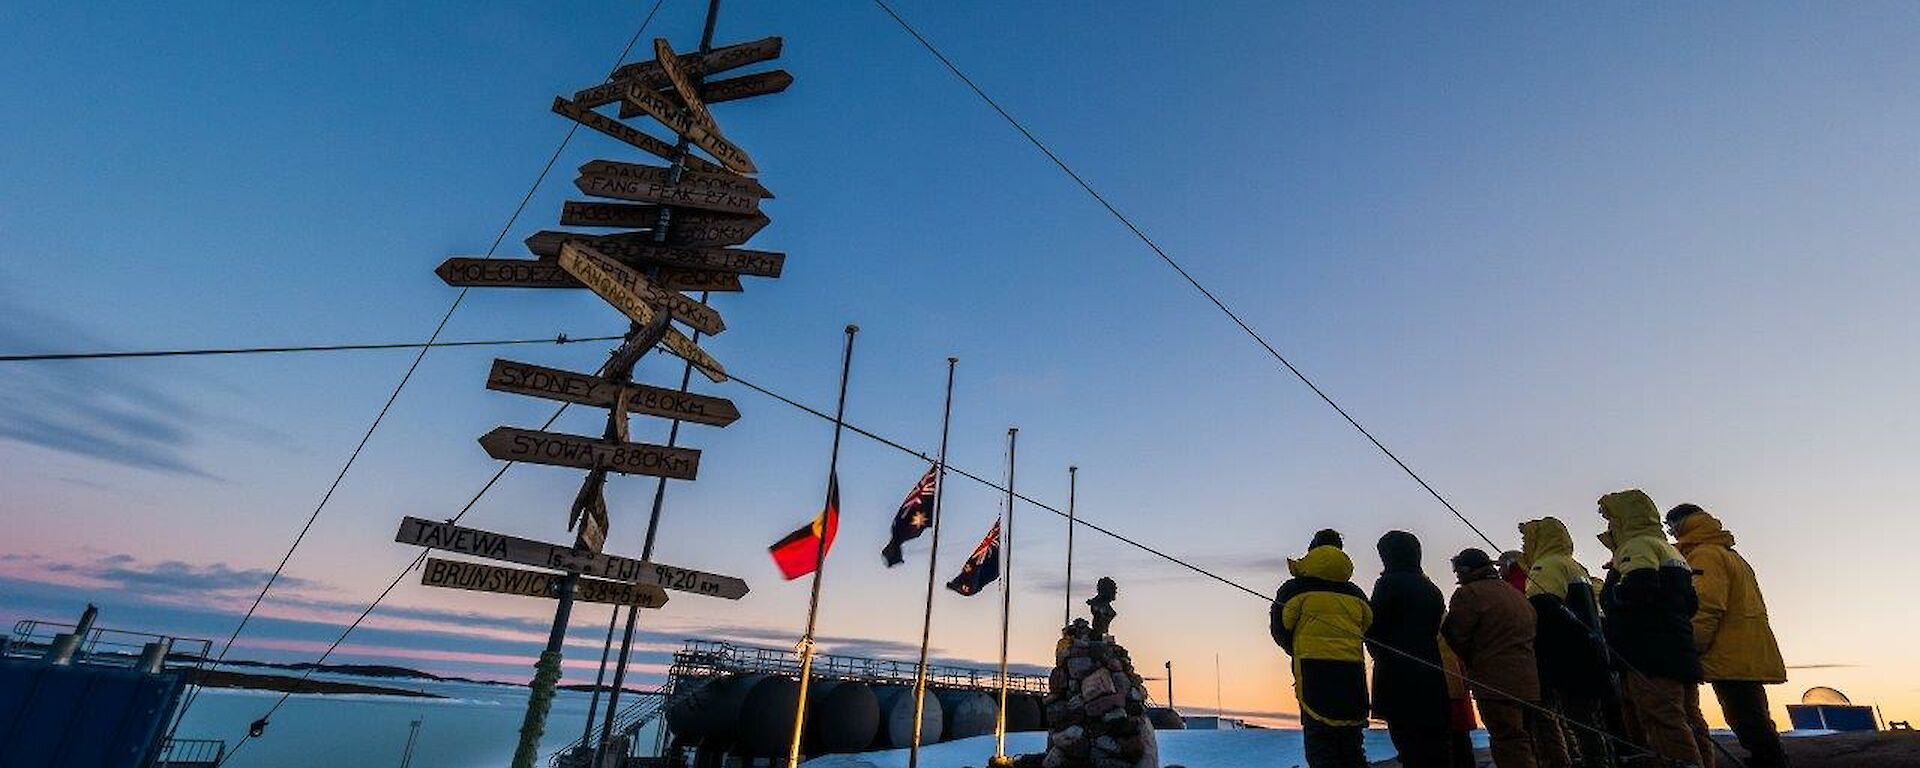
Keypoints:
pixel 1096 704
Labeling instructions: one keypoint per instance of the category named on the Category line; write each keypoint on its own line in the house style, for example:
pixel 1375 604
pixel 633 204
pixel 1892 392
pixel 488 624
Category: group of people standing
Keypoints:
pixel 1565 669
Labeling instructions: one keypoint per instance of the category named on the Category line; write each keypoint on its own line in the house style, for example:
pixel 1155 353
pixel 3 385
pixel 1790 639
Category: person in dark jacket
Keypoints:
pixel 1490 625
pixel 1319 617
pixel 1409 686
pixel 1649 603
pixel 1738 653
pixel 1574 678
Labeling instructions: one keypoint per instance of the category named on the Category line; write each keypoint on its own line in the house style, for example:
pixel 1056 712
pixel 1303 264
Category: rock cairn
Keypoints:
pixel 1096 707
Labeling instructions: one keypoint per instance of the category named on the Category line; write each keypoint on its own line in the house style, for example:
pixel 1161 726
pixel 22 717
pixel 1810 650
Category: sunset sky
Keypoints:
pixel 1543 252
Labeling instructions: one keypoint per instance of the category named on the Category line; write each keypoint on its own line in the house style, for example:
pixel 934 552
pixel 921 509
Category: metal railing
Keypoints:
pixel 702 658
pixel 112 647
pixel 190 753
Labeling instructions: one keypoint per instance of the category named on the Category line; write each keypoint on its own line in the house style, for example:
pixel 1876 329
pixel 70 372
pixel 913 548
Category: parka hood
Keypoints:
pixel 1399 551
pixel 1323 562
pixel 1547 549
pixel 1702 528
pixel 1634 532
pixel 1542 537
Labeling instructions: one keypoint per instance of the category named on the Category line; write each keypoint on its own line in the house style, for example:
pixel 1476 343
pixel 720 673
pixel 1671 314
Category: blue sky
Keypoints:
pixel 1544 252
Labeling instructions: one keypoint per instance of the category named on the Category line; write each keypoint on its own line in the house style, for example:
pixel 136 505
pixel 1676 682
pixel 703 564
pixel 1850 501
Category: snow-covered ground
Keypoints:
pixel 1193 749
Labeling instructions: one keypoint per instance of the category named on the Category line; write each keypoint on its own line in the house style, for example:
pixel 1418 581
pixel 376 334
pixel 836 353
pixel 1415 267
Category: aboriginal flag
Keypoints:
pixel 803 550
pixel 915 515
pixel 982 568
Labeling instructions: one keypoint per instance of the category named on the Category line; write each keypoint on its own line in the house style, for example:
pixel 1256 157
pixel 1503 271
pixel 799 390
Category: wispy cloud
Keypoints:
pixel 1822 666
pixel 93 409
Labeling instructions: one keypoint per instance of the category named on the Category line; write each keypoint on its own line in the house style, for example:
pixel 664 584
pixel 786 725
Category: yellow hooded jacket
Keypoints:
pixel 1321 618
pixel 1547 549
pixel 1731 630
pixel 1634 533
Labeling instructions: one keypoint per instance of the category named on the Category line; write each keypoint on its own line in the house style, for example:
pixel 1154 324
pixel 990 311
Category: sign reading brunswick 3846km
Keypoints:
pixel 655 232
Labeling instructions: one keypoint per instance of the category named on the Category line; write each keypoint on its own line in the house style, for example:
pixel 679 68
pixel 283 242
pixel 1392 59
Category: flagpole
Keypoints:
pixel 933 558
pixel 820 555
pixel 1006 606
pixel 1073 476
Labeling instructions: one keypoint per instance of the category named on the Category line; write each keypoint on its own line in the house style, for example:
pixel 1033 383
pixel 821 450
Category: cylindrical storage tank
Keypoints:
pixel 896 717
pixel 1024 713
pixel 842 716
pixel 707 717
pixel 1165 719
pixel 765 727
pixel 969 713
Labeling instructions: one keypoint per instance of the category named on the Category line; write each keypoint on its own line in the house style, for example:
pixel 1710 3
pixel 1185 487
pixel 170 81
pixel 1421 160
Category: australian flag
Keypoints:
pixel 915 515
pixel 982 568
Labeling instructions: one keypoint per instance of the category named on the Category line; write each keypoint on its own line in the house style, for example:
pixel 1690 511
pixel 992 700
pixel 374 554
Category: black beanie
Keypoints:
pixel 1680 512
pixel 1471 559
pixel 1327 537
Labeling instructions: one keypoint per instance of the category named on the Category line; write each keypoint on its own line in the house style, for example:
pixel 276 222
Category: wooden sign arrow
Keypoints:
pixel 513 549
pixel 634 137
pixel 679 344
pixel 682 122
pixel 707 198
pixel 745 86
pixel 462 271
pixel 479 577
pixel 625 288
pixel 689 227
pixel 608 285
pixel 745 186
pixel 682 82
pixel 567 386
pixel 561 450
pixel 713 62
pixel 639 248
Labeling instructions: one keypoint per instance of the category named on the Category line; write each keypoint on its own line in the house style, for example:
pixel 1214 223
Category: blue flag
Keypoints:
pixel 982 568
pixel 914 517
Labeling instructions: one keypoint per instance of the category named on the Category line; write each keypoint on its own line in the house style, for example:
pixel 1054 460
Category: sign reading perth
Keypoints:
pixel 513 549
pixel 630 292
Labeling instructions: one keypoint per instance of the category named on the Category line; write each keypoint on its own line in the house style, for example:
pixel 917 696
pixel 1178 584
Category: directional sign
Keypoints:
pixel 696 228
pixel 682 122
pixel 745 86
pixel 555 449
pixel 679 344
pixel 579 213
pixel 625 288
pixel 630 188
pixel 546 273
pixel 478 577
pixel 640 249
pixel 745 186
pixel 584 115
pixel 567 386
pixel 702 64
pixel 669 63
pixel 513 549
pixel 689 226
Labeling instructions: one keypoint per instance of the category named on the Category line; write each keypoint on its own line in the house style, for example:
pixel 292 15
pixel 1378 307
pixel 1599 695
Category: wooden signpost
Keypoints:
pixel 562 450
pixel 539 554
pixel 567 386
pixel 546 273
pixel 478 577
pixel 639 248
pixel 679 221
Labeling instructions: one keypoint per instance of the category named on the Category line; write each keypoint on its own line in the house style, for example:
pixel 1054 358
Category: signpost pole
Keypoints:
pixel 933 559
pixel 1073 478
pixel 1006 607
pixel 546 674
pixel 673 435
pixel 827 526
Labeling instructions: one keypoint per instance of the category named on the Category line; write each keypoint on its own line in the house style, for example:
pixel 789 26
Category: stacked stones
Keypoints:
pixel 1096 706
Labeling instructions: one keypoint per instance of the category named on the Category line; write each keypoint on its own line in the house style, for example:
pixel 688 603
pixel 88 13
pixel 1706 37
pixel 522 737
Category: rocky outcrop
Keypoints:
pixel 1096 707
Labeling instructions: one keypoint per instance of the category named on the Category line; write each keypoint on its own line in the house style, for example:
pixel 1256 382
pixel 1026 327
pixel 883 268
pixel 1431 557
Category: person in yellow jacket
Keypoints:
pixel 1738 653
pixel 1648 603
pixel 1320 618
